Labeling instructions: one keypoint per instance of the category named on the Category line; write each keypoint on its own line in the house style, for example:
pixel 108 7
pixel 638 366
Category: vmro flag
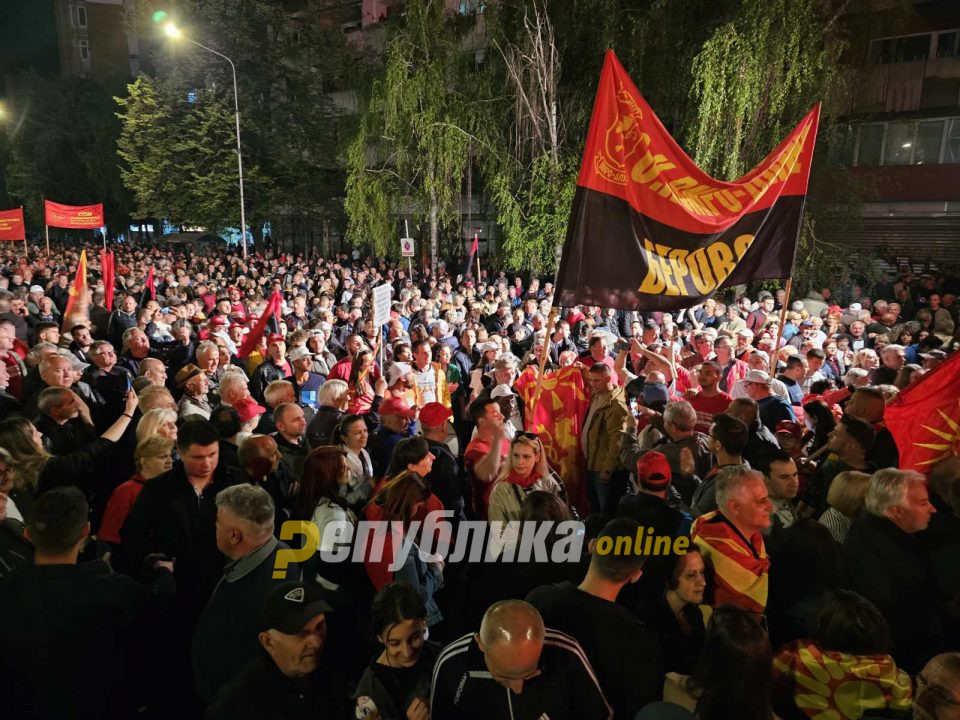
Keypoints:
pixel 924 418
pixel 78 289
pixel 74 217
pixel 108 272
pixel 11 225
pixel 557 420
pixel 650 230
pixel 252 341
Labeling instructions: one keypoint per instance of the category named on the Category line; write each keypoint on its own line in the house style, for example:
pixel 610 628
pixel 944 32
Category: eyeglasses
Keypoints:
pixel 936 693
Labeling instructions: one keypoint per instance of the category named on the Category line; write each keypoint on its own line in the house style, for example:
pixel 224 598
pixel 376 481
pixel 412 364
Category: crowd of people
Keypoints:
pixel 153 448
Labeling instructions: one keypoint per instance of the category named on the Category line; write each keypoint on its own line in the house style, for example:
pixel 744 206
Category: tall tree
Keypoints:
pixel 411 149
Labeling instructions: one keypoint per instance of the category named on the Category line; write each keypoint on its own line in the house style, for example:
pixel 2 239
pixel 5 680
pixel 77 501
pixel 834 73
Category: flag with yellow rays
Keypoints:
pixel 557 420
pixel 924 419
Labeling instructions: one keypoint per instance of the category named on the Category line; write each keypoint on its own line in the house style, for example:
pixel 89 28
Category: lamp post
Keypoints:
pixel 174 32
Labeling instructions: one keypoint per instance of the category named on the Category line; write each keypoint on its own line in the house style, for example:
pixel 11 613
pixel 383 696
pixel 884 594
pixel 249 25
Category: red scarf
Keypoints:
pixel 523 481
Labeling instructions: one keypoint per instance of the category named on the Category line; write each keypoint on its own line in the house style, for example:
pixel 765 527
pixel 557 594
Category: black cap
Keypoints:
pixel 291 604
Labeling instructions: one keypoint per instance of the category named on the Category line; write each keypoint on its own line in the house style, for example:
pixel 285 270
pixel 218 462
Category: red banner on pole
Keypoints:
pixel 79 287
pixel 11 225
pixel 74 217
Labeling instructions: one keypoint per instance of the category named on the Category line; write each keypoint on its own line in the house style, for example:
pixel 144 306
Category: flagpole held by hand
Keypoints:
pixel 783 317
pixel 551 319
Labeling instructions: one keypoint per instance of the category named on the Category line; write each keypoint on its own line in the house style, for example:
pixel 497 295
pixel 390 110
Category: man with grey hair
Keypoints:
pixel 511 651
pixel 64 421
pixel 884 562
pixel 675 435
pixel 730 539
pixel 892 359
pixel 226 636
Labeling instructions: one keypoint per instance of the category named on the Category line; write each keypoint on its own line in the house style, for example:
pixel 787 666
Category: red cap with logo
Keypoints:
pixel 653 471
pixel 397 406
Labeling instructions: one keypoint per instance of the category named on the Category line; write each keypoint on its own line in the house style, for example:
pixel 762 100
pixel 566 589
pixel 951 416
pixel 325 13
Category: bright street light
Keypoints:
pixel 173 31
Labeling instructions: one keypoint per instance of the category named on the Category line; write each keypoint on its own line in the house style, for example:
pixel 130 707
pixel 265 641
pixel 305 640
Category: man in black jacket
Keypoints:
pixel 515 668
pixel 624 655
pixel 175 515
pixel 226 636
pixel 884 562
pixel 446 480
pixel 65 629
pixel 288 680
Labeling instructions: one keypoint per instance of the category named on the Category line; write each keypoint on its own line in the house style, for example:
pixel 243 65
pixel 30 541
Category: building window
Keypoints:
pixel 81 16
pixel 898 148
pixel 947 44
pixel 951 145
pixel 904 142
pixel 870 148
pixel 82 48
pixel 929 141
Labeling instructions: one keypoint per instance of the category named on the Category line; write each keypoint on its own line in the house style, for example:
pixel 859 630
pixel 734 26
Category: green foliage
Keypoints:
pixel 61 138
pixel 180 159
pixel 754 78
pixel 410 153
pixel 534 222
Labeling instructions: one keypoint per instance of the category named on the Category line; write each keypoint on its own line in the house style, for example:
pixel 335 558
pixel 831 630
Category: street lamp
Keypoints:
pixel 173 31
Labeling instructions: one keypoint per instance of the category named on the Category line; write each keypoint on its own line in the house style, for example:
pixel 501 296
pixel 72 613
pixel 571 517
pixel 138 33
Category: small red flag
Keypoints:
pixel 252 340
pixel 79 287
pixel 924 419
pixel 11 225
pixel 150 286
pixel 475 246
pixel 107 271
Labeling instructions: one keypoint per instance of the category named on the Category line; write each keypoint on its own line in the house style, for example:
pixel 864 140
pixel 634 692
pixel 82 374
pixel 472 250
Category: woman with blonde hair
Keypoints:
pixel 524 471
pixel 36 470
pixel 158 421
pixel 152 457
pixel 866 359
pixel 845 498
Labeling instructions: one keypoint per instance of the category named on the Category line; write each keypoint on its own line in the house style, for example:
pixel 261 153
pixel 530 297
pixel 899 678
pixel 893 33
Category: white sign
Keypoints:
pixel 406 247
pixel 381 304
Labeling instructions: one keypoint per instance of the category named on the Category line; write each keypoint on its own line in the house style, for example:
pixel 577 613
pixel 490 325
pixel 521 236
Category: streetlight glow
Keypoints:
pixel 172 31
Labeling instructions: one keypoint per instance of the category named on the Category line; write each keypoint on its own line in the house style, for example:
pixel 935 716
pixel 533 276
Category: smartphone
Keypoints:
pixel 308 397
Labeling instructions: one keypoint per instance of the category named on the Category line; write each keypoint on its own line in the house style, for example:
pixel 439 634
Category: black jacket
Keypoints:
pixel 320 430
pixel 262 692
pixel 71 639
pixel 565 689
pixel 169 518
pixel 623 653
pixel 887 566
pixel 226 636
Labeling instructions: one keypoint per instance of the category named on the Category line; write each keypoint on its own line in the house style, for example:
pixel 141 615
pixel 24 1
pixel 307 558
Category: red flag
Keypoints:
pixel 149 285
pixel 252 340
pixel 650 230
pixel 11 225
pixel 475 246
pixel 75 217
pixel 924 419
pixel 557 420
pixel 107 270
pixel 79 287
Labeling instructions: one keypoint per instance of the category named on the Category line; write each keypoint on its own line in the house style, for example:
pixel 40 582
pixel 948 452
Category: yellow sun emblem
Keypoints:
pixel 950 447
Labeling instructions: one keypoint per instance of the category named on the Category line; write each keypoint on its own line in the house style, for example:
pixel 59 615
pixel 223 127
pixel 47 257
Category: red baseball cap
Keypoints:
pixel 790 428
pixel 248 408
pixel 653 471
pixel 434 414
pixel 275 338
pixel 219 321
pixel 397 406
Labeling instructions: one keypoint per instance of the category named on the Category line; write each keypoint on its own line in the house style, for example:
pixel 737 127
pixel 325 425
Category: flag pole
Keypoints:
pixel 476 239
pixel 26 246
pixel 783 317
pixel 551 320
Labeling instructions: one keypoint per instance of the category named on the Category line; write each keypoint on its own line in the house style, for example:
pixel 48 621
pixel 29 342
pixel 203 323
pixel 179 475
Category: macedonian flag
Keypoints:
pixel 924 419
pixel 75 295
pixel 650 230
pixel 557 419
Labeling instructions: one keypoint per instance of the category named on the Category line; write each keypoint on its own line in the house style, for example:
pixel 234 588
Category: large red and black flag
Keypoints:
pixel 650 230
